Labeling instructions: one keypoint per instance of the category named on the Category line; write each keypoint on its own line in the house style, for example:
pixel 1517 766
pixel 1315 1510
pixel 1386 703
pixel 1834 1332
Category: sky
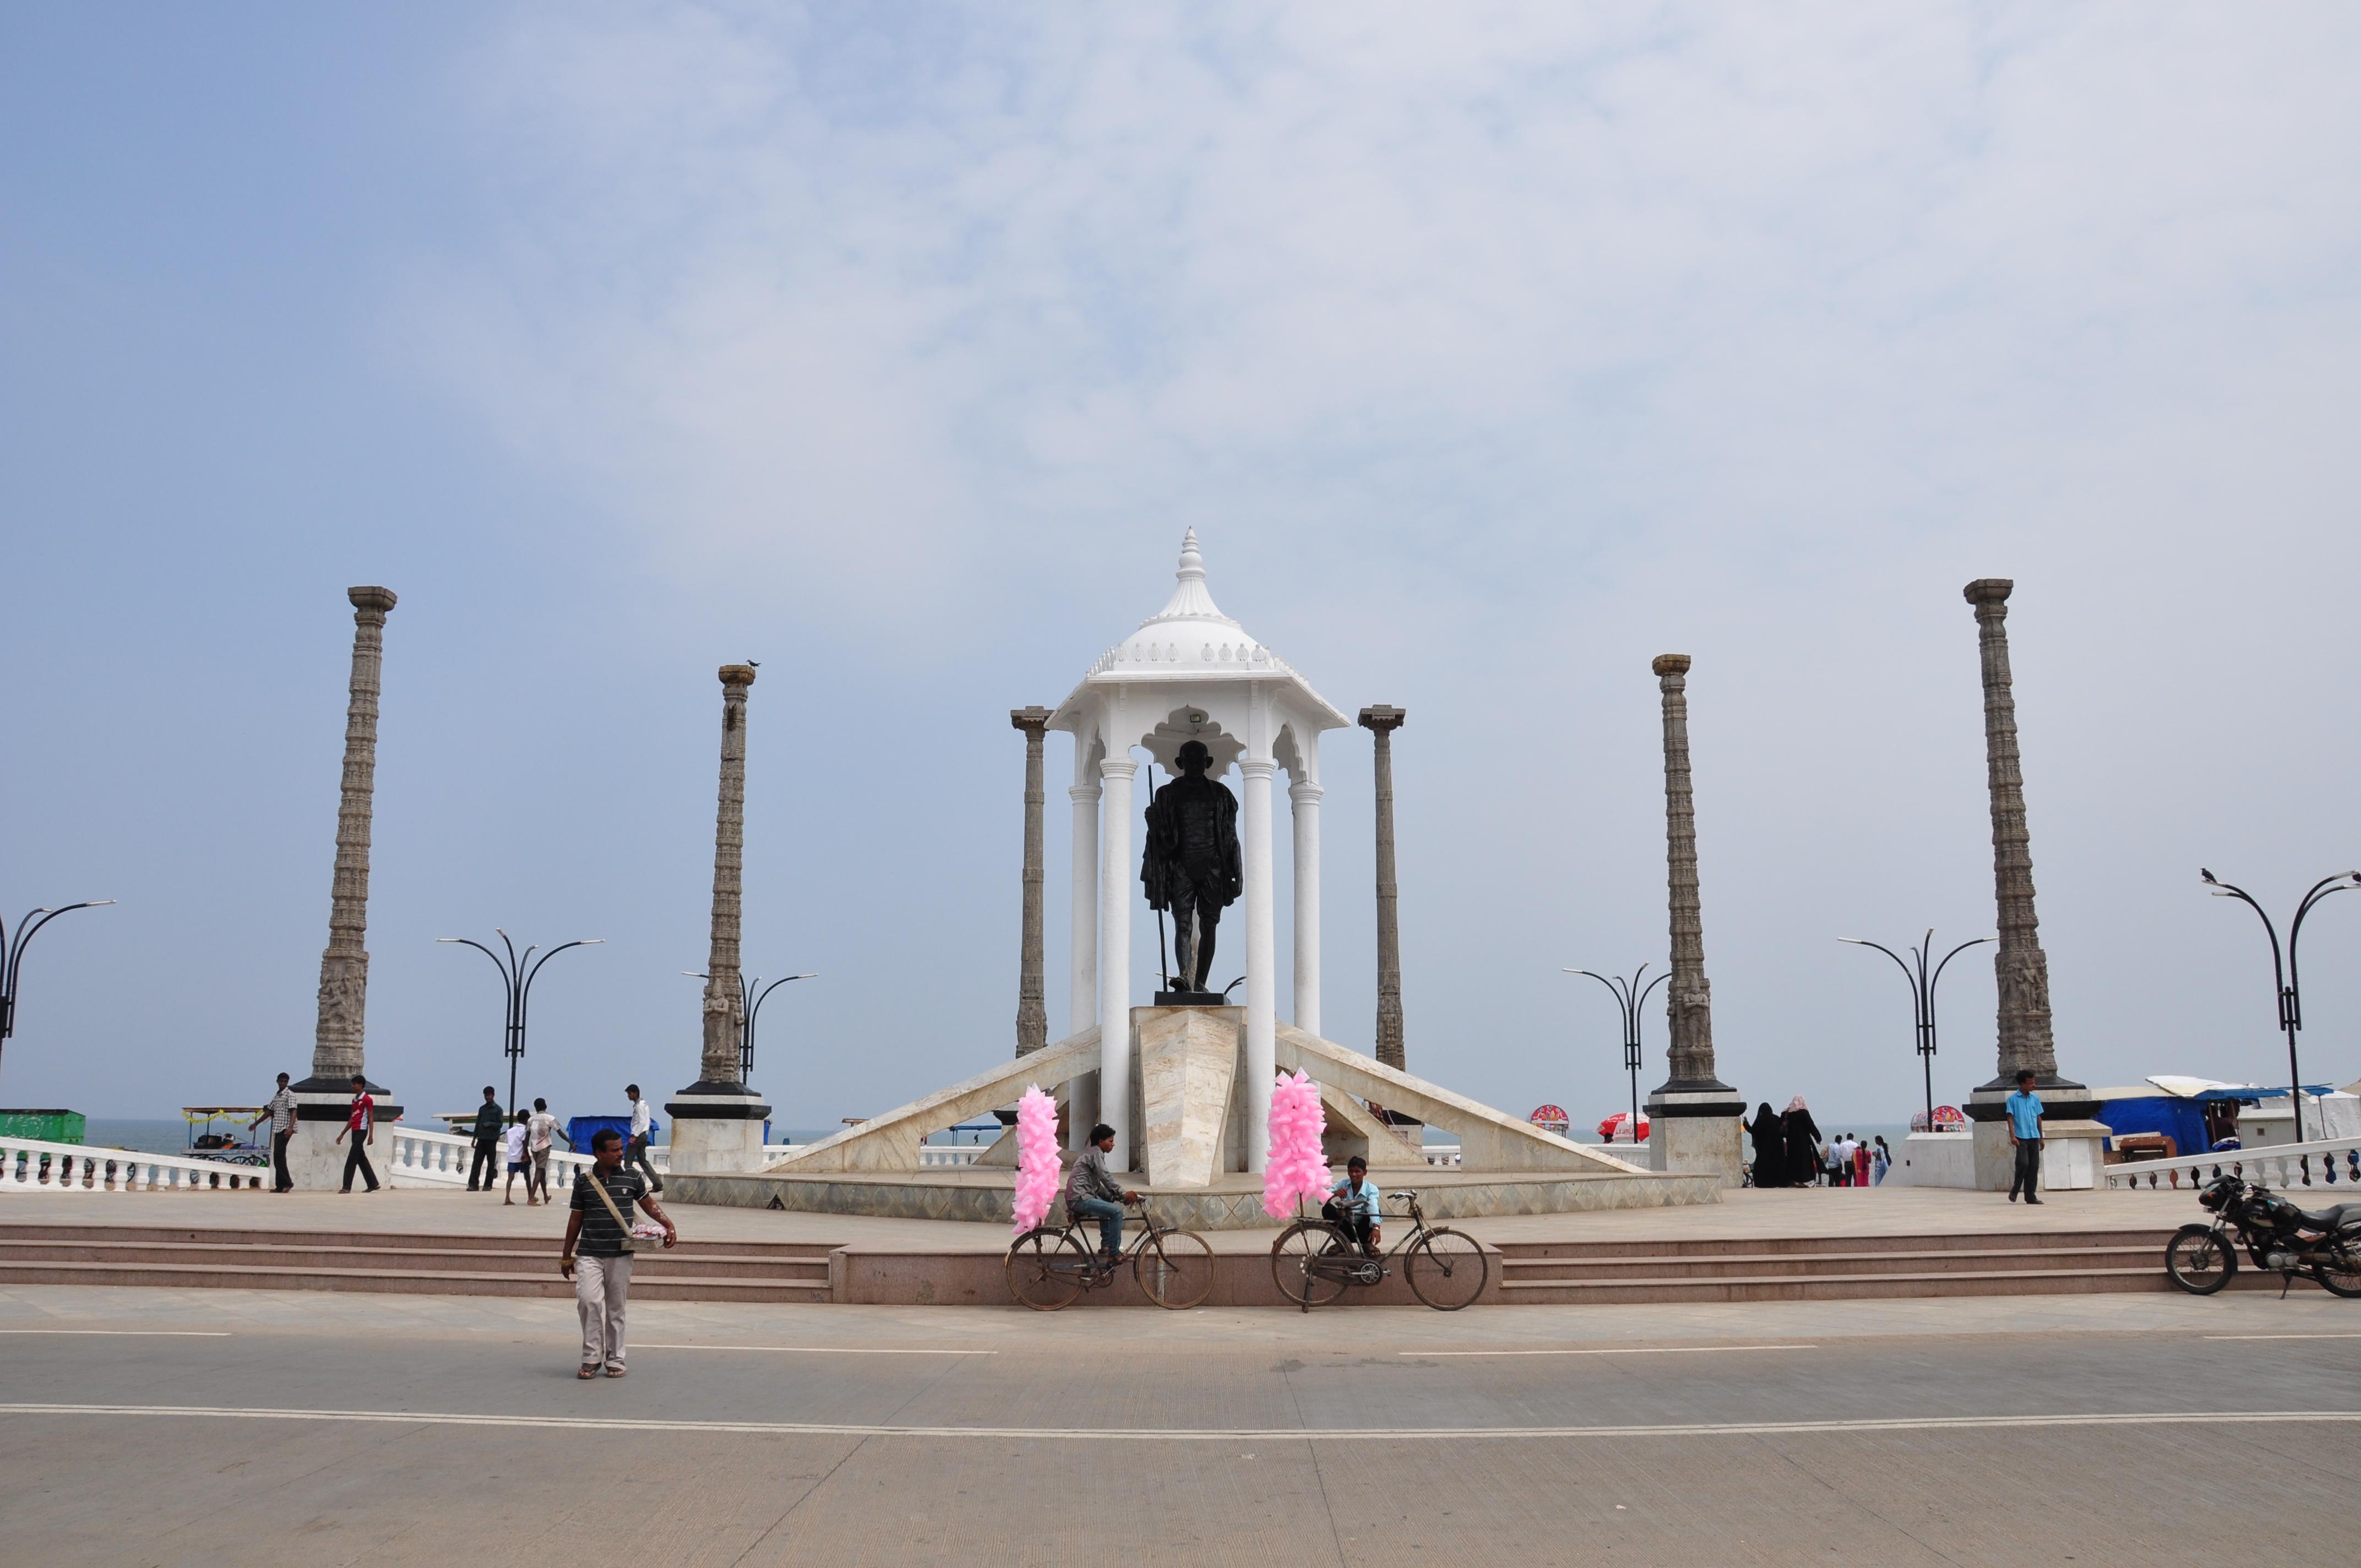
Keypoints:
pixel 1491 350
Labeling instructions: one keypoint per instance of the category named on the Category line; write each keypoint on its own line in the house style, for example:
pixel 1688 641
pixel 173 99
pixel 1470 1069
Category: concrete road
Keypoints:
pixel 157 1427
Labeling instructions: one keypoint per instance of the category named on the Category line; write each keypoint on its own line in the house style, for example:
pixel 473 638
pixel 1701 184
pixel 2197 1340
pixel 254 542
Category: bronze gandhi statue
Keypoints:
pixel 1191 864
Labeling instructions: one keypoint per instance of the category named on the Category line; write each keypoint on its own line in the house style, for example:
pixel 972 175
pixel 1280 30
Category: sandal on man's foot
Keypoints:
pixel 614 1372
pixel 586 1372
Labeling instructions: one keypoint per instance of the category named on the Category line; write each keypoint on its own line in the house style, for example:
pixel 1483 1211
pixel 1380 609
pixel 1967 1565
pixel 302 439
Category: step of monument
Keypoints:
pixel 1751 1265
pixel 1856 1286
pixel 540 1282
pixel 257 1235
pixel 655 1263
pixel 1713 1246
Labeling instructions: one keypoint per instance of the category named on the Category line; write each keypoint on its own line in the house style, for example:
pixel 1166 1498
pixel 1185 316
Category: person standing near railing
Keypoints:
pixel 539 1129
pixel 2024 1110
pixel 643 1124
pixel 280 1113
pixel 490 1121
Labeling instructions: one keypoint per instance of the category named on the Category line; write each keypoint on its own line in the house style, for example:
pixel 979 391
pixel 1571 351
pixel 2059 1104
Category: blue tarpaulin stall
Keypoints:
pixel 580 1129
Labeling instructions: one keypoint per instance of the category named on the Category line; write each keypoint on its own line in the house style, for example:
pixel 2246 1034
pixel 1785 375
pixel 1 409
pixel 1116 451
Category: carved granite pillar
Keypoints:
pixel 1032 1013
pixel 1382 721
pixel 336 1043
pixel 2019 966
pixel 1694 1116
pixel 338 1040
pixel 717 1120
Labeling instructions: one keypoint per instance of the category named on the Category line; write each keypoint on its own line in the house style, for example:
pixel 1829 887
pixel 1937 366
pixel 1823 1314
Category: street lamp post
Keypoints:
pixel 517 980
pixel 1629 996
pixel 12 956
pixel 751 1001
pixel 1922 998
pixel 2284 981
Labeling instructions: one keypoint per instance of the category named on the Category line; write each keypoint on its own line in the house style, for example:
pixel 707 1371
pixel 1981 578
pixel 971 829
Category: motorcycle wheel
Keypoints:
pixel 2199 1261
pixel 2339 1270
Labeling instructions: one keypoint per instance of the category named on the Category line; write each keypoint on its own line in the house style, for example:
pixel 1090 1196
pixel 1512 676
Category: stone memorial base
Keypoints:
pixel 1189 1108
pixel 1232 1202
pixel 716 1127
pixel 314 1158
pixel 1696 1134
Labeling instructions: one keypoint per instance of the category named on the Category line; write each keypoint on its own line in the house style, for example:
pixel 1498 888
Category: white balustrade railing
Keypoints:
pixel 945 1155
pixel 2324 1162
pixel 419 1156
pixel 1441 1154
pixel 34 1164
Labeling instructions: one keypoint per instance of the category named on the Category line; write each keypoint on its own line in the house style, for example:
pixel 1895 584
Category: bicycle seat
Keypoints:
pixel 2339 1218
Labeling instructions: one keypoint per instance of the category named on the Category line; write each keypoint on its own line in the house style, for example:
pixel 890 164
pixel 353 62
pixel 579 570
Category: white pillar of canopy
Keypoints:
pixel 1190 673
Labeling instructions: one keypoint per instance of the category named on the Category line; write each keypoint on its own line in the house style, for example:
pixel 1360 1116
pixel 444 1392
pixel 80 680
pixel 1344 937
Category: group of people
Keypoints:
pixel 1788 1151
pixel 520 1141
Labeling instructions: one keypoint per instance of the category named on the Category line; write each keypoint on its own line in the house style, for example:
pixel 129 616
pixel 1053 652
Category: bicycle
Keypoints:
pixel 1049 1266
pixel 1313 1260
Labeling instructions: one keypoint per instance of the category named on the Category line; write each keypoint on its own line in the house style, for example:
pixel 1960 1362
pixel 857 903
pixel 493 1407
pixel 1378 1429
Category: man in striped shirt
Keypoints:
pixel 280 1113
pixel 598 1252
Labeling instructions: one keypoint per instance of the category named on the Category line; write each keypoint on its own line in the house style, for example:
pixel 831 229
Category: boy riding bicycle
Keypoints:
pixel 1090 1191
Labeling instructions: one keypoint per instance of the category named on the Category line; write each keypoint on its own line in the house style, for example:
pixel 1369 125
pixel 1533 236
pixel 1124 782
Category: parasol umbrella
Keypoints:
pixel 1613 1129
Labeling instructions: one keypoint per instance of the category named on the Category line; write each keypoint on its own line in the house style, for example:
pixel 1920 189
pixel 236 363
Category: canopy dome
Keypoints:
pixel 1189 638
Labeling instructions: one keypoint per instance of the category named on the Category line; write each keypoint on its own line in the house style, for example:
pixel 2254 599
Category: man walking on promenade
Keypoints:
pixel 2024 1109
pixel 538 1132
pixel 280 1113
pixel 644 1123
pixel 360 1125
pixel 598 1252
pixel 489 1127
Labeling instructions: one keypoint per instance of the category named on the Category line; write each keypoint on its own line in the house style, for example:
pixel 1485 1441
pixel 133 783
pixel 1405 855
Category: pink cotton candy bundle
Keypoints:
pixel 1294 1168
pixel 1038 1171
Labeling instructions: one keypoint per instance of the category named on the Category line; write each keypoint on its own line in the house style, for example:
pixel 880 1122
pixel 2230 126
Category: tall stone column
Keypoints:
pixel 1032 1013
pixel 1262 949
pixel 717 1120
pixel 1115 775
pixel 1694 1116
pixel 1083 958
pixel 1382 721
pixel 2019 965
pixel 337 1042
pixel 1304 796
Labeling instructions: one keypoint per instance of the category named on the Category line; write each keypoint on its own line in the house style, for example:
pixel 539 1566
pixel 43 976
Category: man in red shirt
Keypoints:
pixel 360 1122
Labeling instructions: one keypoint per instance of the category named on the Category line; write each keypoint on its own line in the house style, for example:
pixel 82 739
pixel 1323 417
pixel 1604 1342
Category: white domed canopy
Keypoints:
pixel 1190 673
pixel 1189 640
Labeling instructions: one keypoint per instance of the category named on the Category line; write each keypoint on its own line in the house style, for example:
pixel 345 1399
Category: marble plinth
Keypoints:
pixel 1187 1060
pixel 1696 1134
pixel 700 1143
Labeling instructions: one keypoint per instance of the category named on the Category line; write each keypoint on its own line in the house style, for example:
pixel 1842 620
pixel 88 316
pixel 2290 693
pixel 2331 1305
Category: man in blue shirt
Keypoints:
pixel 2024 1109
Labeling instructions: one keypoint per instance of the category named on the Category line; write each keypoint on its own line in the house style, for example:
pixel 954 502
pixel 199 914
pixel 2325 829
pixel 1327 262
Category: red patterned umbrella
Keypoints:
pixel 1614 1125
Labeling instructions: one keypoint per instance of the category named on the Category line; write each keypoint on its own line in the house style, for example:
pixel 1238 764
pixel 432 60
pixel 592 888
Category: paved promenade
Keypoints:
pixel 1747 1214
pixel 165 1427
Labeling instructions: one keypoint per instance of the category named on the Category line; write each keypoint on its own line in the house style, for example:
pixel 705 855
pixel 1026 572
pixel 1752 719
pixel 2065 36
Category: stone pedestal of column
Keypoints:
pixel 314 1158
pixel 1696 1134
pixel 2072 1150
pixel 717 1127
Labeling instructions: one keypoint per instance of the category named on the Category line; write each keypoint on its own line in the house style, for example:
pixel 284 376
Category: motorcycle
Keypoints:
pixel 2278 1237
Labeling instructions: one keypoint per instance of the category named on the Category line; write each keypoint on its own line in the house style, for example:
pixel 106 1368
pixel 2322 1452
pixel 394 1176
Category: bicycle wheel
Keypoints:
pixel 1296 1259
pixel 2199 1261
pixel 1044 1268
pixel 1175 1268
pixel 2339 1270
pixel 1446 1269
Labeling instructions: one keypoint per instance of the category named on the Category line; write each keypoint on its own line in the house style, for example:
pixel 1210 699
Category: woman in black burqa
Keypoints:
pixel 1803 1138
pixel 1770 1147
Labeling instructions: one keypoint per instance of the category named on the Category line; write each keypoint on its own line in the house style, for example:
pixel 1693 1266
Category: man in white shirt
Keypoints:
pixel 643 1122
pixel 539 1129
